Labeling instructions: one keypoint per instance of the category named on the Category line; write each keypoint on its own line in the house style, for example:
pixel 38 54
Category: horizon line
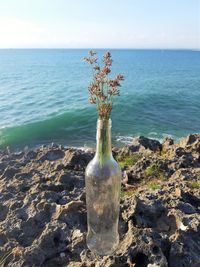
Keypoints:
pixel 98 48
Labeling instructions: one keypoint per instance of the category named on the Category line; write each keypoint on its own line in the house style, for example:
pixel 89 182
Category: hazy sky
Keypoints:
pixel 100 23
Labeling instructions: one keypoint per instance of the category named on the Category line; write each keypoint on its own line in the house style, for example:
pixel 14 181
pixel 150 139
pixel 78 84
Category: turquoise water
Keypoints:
pixel 43 96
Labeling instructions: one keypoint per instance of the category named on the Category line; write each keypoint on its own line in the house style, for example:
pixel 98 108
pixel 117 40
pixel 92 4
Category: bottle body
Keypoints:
pixel 103 185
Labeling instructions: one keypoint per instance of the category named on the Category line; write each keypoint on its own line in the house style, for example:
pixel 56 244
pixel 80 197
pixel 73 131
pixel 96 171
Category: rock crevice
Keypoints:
pixel 43 218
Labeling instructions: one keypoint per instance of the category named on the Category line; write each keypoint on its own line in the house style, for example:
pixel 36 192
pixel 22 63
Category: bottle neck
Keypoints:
pixel 103 137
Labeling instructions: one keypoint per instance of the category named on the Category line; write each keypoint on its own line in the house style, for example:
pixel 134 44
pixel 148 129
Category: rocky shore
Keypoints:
pixel 43 214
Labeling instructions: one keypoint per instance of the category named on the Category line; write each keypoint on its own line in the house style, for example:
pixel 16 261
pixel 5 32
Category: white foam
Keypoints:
pixel 124 139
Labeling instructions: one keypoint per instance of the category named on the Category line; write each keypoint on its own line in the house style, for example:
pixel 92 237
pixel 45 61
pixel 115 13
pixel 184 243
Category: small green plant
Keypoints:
pixel 127 193
pixel 194 184
pixel 154 185
pixel 151 170
pixel 128 160
pixel 161 176
pixel 154 170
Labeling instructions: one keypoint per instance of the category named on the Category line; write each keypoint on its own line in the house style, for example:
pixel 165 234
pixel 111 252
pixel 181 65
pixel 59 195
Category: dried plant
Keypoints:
pixel 102 89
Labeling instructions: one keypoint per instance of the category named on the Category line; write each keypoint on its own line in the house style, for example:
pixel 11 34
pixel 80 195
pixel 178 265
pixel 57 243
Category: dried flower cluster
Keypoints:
pixel 102 89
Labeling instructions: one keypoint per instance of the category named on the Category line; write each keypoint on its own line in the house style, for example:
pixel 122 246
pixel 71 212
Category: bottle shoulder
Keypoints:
pixel 109 167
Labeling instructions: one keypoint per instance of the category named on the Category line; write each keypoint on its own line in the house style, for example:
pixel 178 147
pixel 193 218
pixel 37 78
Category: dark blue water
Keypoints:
pixel 43 96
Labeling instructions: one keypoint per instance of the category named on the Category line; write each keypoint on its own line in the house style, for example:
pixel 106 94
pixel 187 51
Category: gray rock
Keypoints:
pixel 190 140
pixel 186 208
pixel 77 159
pixel 52 155
pixel 9 172
pixel 43 219
pixel 185 250
pixel 141 143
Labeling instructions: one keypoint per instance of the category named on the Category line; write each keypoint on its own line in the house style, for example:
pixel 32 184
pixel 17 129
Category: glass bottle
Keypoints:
pixel 103 184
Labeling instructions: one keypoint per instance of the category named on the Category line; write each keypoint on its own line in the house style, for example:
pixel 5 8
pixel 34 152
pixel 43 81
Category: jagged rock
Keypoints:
pixel 186 208
pixel 185 249
pixel 192 140
pixel 31 155
pixel 183 174
pixel 9 172
pixel 67 180
pixel 167 143
pixel 52 155
pixel 77 159
pixel 142 247
pixel 43 219
pixel 141 143
pixel 68 177
pixel 3 213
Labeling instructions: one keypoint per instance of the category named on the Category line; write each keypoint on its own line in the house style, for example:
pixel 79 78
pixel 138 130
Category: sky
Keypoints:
pixel 100 24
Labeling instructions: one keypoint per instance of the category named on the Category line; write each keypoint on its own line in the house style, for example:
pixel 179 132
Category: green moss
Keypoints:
pixel 163 155
pixel 161 176
pixel 151 170
pixel 154 185
pixel 128 160
pixel 127 193
pixel 194 184
pixel 154 170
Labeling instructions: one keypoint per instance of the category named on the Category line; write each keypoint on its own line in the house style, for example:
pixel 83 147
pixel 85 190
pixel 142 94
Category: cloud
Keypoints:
pixel 20 33
pixel 16 32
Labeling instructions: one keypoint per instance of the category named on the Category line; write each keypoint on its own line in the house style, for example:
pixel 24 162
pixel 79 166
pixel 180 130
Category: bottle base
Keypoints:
pixel 103 248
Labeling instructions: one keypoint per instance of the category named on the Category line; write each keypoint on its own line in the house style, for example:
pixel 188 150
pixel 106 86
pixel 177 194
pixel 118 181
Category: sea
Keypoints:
pixel 44 96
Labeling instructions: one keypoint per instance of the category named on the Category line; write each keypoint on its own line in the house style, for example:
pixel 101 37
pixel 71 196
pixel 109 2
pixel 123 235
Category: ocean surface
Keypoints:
pixel 44 96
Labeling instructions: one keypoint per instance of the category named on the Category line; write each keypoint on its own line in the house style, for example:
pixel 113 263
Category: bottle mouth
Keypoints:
pixel 101 123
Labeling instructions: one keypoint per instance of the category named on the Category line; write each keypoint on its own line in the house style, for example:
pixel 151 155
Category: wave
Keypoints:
pixel 128 140
pixel 68 128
